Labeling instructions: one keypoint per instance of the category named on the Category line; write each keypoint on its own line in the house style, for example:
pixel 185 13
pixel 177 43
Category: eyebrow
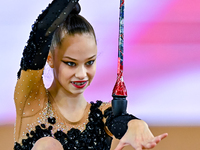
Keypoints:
pixel 75 59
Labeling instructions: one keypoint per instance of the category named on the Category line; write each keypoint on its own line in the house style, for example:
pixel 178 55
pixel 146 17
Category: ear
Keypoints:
pixel 50 59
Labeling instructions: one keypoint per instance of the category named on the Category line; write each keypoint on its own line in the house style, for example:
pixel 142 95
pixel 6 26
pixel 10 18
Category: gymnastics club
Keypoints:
pixel 119 102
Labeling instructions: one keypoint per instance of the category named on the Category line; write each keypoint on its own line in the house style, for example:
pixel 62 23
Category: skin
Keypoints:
pixel 74 60
pixel 139 136
pixel 47 143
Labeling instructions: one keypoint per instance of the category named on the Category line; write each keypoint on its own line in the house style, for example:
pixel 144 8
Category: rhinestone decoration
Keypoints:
pixel 89 135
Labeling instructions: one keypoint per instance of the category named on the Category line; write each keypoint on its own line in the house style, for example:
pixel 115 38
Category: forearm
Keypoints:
pixel 118 125
pixel 37 49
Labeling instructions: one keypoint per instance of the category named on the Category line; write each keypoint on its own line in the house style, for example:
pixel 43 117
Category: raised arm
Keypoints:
pixel 30 84
pixel 30 93
pixel 37 49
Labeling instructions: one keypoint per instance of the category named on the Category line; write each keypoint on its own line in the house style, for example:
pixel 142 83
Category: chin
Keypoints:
pixel 78 91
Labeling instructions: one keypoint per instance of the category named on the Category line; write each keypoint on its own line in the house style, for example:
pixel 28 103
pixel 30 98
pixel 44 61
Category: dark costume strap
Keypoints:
pixel 117 124
pixel 37 49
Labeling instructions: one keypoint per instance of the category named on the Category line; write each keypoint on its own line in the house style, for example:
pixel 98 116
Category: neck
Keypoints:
pixel 66 100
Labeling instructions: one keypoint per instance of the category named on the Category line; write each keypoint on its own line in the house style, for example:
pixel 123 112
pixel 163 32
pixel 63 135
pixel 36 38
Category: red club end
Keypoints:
pixel 119 88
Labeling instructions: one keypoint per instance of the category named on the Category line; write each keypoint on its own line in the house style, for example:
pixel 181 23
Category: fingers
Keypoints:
pixel 150 145
pixel 158 138
pixel 121 145
pixel 139 146
pixel 155 141
pixel 164 135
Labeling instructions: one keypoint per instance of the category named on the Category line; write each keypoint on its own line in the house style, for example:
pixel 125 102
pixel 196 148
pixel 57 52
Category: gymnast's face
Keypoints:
pixel 74 63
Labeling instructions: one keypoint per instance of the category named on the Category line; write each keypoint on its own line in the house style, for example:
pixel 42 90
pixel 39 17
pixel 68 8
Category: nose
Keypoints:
pixel 81 72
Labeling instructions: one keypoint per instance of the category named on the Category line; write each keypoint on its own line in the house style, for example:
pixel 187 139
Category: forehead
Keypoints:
pixel 78 45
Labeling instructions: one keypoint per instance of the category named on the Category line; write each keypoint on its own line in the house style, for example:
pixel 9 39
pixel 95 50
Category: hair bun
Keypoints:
pixel 76 10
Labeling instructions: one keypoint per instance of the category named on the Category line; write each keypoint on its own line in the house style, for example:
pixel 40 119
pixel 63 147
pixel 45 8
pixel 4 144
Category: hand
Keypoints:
pixel 139 136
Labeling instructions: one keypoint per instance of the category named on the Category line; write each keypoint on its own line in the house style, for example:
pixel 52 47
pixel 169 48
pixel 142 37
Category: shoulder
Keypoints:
pixel 105 105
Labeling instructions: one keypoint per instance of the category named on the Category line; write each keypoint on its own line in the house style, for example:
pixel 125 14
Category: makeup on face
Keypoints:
pixel 79 84
pixel 75 63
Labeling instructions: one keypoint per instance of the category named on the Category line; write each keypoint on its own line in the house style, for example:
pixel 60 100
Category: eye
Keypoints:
pixel 72 64
pixel 89 63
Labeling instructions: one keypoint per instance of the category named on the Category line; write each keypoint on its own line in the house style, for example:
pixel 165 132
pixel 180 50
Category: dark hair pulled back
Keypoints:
pixel 73 24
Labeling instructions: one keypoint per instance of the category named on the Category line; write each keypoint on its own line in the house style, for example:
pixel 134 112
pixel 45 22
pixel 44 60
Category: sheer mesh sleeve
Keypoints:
pixel 30 95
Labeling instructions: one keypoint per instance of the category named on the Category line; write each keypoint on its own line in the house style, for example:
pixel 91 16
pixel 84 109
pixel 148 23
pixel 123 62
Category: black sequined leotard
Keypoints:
pixel 38 116
pixel 36 113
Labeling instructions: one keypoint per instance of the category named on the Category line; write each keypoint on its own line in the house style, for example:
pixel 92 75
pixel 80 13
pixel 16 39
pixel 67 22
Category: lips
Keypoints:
pixel 79 84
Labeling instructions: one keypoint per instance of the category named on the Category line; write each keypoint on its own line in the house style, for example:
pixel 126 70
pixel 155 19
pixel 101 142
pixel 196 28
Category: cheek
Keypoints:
pixel 62 72
pixel 92 72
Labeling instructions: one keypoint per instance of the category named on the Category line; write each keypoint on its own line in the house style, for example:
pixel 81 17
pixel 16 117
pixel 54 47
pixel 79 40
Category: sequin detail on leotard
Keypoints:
pixel 92 137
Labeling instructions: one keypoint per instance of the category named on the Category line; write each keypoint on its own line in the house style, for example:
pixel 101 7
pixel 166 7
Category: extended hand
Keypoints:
pixel 139 136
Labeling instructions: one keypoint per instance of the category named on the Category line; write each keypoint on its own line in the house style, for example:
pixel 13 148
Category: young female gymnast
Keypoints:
pixel 60 117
